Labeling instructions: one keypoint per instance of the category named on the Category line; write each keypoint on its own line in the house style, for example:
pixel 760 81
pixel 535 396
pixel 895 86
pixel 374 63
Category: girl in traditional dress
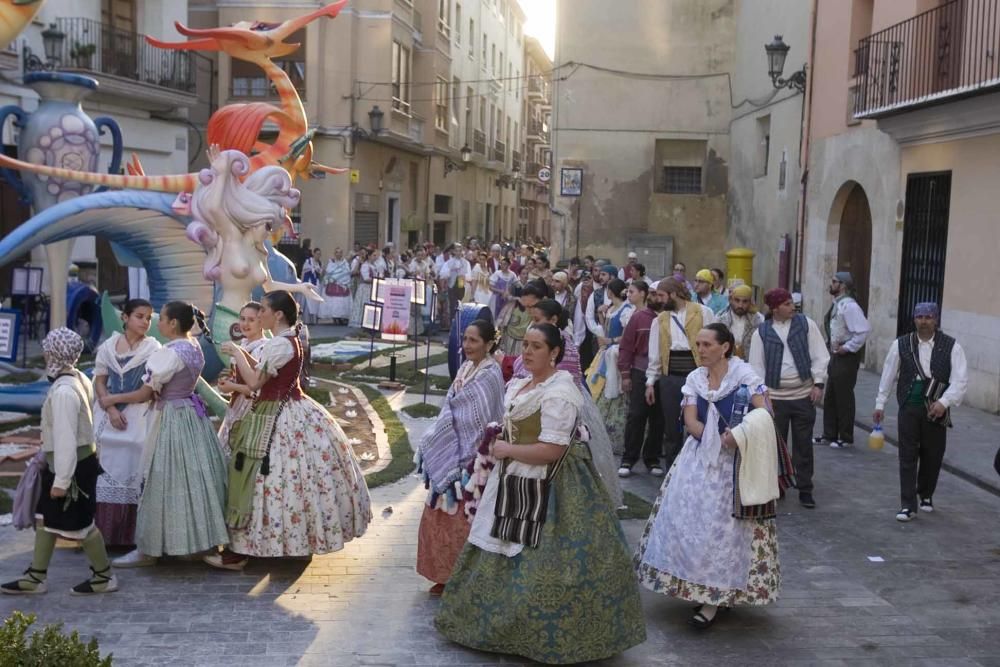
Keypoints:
pixel 240 394
pixel 514 321
pixel 603 377
pixel 549 311
pixel 474 400
pixel 119 368
pixel 364 273
pixel 307 495
pixel 693 548
pixel 69 482
pixel 337 301
pixel 481 280
pixel 312 273
pixel 573 597
pixel 184 491
pixel 500 283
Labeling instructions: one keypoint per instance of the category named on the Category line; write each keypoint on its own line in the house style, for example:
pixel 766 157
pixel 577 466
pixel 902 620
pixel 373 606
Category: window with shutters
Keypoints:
pixel 401 64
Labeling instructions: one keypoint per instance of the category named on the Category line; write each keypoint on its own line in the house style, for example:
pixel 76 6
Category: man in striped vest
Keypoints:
pixel 672 355
pixel 932 378
pixel 789 352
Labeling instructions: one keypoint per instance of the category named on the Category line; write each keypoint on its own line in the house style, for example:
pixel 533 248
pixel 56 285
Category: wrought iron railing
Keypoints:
pixel 96 47
pixel 948 51
pixel 515 160
pixel 479 142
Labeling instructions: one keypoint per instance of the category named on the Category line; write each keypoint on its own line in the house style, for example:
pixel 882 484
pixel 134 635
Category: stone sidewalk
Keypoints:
pixel 858 588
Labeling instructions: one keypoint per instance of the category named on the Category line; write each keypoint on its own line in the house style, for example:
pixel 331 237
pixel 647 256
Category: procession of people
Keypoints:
pixel 575 378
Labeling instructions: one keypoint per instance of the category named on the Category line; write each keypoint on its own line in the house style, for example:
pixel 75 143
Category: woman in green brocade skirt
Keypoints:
pixel 574 597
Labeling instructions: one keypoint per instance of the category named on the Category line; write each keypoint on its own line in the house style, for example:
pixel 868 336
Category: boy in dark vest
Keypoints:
pixel 789 352
pixel 931 375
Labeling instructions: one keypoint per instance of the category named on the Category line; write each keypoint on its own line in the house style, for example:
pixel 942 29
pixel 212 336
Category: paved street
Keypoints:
pixel 932 600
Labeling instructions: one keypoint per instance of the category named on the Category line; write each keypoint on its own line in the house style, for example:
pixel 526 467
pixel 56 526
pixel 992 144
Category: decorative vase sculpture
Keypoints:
pixel 58 134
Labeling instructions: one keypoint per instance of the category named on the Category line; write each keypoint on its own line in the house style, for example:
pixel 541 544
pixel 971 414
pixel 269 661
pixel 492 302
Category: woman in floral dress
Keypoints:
pixel 693 548
pixel 308 495
pixel 121 430
pixel 573 597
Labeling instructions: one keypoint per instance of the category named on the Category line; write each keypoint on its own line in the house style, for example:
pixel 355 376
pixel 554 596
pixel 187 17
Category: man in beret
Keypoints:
pixel 789 352
pixel 931 375
pixel 847 330
pixel 742 318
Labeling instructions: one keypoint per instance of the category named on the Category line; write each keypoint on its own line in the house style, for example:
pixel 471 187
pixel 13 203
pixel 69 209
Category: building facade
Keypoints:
pixel 536 172
pixel 642 108
pixel 905 123
pixel 148 91
pixel 438 76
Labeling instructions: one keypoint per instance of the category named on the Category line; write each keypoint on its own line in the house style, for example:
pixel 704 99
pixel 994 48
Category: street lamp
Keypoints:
pixel 450 165
pixel 375 118
pixel 777 51
pixel 52 42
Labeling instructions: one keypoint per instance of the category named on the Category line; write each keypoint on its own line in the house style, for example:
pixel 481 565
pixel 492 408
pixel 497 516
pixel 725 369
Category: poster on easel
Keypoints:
pixel 396 309
pixel 10 328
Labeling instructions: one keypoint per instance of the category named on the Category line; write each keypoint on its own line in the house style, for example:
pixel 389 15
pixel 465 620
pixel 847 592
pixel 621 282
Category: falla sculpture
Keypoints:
pixel 225 212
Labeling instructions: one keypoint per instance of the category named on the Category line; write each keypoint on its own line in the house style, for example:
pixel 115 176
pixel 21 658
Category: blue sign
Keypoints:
pixel 10 332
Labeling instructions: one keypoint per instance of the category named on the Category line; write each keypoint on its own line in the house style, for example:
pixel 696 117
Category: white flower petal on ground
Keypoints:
pixel 351 414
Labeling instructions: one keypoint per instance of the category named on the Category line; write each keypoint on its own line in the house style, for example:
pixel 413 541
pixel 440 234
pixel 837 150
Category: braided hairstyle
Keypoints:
pixel 187 315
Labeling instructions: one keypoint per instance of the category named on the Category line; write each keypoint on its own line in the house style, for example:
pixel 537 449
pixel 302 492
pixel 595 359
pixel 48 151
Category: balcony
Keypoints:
pixel 119 59
pixel 531 171
pixel 941 55
pixel 536 88
pixel 537 132
pixel 515 160
pixel 479 142
pixel 499 151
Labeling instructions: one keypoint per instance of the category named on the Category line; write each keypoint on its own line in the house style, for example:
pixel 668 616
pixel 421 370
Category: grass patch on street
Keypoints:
pixel 399 442
pixel 422 410
pixel 636 507
pixel 30 420
pixel 404 373
pixel 24 377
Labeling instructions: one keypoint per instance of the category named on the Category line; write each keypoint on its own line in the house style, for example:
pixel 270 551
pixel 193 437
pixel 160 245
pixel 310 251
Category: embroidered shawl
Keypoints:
pixel 451 444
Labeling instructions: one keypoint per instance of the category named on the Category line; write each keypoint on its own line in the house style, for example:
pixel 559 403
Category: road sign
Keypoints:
pixel 544 174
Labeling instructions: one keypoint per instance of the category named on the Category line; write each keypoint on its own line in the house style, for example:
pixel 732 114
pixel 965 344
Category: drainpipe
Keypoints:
pixel 804 140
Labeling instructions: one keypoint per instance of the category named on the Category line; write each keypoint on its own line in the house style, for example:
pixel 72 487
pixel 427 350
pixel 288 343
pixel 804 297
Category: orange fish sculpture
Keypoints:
pixel 234 126
pixel 15 15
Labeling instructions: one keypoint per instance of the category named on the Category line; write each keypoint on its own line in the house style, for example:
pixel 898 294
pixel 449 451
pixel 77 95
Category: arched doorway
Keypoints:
pixel 854 248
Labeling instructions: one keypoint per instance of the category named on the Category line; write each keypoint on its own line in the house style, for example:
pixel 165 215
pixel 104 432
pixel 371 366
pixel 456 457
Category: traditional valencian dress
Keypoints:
pixel 362 293
pixel 239 404
pixel 573 598
pixel 604 380
pixel 693 548
pixel 313 498
pixel 120 451
pixel 336 291
pixel 181 509
pixel 474 400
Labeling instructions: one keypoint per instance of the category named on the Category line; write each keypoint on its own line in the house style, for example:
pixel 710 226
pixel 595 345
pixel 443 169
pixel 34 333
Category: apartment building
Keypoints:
pixel 395 90
pixel 905 129
pixel 642 107
pixel 150 93
pixel 536 173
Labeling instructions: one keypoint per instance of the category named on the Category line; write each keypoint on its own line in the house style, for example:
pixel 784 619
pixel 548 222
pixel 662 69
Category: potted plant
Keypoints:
pixel 83 54
pixel 46 646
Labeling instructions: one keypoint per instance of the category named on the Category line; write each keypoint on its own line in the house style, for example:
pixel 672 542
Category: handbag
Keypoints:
pixel 333 289
pixel 28 492
pixel 934 389
pixel 523 503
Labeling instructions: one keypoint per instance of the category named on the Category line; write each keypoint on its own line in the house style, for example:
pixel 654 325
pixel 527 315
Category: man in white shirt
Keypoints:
pixel 672 355
pixel 932 377
pixel 847 330
pixel 789 352
pixel 454 274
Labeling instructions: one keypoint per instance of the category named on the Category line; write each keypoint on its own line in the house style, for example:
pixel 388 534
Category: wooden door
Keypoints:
pixel 925 244
pixel 119 41
pixel 854 253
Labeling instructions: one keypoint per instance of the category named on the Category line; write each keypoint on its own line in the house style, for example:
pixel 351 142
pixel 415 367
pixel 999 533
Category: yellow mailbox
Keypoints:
pixel 739 265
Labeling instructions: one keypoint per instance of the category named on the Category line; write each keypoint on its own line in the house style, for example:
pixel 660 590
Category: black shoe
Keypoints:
pixel 806 500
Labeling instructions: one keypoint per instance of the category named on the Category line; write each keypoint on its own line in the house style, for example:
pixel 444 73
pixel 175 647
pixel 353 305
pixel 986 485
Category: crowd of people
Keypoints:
pixel 579 375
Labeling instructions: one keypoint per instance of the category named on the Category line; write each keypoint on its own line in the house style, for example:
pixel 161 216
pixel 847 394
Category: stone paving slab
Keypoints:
pixel 933 601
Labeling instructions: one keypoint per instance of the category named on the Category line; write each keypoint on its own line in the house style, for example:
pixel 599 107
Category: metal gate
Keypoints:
pixel 925 243
pixel 366 227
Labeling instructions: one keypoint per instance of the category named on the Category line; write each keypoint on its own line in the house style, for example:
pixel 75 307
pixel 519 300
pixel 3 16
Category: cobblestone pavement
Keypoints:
pixel 932 599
